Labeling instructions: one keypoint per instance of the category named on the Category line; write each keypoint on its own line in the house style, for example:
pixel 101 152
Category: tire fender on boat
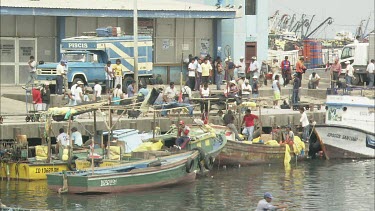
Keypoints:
pixel 209 162
pixel 189 165
pixel 72 163
pixel 202 154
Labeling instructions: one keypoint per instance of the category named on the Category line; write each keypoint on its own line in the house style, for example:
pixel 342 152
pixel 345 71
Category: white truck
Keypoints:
pixel 359 55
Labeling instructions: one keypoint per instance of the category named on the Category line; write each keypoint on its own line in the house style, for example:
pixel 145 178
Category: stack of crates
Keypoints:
pixel 108 32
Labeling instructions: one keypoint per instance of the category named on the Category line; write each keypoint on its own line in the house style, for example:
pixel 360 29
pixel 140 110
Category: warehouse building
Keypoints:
pixel 35 27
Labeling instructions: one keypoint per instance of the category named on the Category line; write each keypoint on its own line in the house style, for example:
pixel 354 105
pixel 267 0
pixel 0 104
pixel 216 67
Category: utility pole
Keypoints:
pixel 135 32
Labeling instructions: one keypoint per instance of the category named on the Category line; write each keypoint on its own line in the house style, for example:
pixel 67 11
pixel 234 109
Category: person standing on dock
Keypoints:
pixel 78 93
pixel 228 121
pixel 60 72
pixel 205 93
pixel 46 96
pixel 276 91
pixel 118 69
pixel 108 77
pixel 219 73
pixel 192 73
pixel 305 124
pixel 371 73
pixel 300 69
pixel 296 83
pixel 255 87
pixel 265 204
pixel 206 70
pixel 285 70
pixel 32 72
pixel 198 76
pixel 248 120
pixel 335 73
pixel 349 70
pixel 253 68
pixel 241 68
pixel 97 91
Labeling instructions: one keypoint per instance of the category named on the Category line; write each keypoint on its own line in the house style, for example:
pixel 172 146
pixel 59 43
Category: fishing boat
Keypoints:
pixel 244 153
pixel 349 130
pixel 134 176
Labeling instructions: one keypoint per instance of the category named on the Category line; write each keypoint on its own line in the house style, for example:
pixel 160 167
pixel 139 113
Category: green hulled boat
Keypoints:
pixel 134 176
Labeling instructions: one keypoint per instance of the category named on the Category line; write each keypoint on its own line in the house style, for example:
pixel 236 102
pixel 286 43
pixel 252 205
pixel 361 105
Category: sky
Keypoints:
pixel 346 14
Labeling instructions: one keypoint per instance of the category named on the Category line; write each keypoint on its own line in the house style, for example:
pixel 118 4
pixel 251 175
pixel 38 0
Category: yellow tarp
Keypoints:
pixel 287 157
pixel 272 143
pixel 41 152
pixel 298 145
pixel 149 146
pixel 115 153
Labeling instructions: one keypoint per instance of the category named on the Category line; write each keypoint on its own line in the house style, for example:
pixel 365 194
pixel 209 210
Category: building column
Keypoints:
pixel 60 26
pixel 262 29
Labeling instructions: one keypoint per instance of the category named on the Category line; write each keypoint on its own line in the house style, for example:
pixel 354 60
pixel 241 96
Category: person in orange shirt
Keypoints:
pixel 300 69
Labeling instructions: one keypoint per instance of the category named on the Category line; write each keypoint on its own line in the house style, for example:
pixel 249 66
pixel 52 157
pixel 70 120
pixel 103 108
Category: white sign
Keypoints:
pixel 108 182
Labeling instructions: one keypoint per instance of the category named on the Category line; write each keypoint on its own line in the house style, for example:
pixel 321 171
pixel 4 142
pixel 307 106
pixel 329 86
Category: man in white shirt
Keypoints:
pixel 62 141
pixel 76 137
pixel 191 73
pixel 305 125
pixel 370 71
pixel 170 93
pixel 241 67
pixel 253 68
pixel 246 90
pixel 32 72
pixel 198 78
pixel 97 91
pixel 186 94
pixel 349 70
pixel 313 81
pixel 60 72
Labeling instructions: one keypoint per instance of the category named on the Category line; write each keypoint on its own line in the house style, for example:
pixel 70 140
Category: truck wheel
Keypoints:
pixel 356 79
pixel 76 80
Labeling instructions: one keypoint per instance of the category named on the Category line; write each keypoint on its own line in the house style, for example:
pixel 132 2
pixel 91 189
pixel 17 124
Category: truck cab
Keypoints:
pixel 357 55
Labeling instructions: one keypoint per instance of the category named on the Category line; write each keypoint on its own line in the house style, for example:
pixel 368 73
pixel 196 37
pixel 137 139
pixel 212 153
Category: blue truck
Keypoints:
pixel 86 57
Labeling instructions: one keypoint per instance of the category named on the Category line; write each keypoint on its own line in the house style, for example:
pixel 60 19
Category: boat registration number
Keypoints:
pixel 46 170
pixel 108 182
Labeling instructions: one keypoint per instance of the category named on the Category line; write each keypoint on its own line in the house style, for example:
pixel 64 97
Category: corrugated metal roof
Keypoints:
pixel 146 5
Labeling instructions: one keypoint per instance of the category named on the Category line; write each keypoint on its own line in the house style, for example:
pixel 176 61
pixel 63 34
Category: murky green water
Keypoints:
pixel 314 185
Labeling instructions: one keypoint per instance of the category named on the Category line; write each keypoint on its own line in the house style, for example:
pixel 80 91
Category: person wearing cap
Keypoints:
pixel 335 72
pixel 300 69
pixel 76 137
pixel 78 93
pixel 296 82
pixel 285 70
pixel 246 90
pixel 60 72
pixel 253 68
pixel 241 67
pixel 183 135
pixel 46 96
pixel 265 203
pixel 118 70
pixel 255 87
pixel 131 89
pixel 349 70
pixel 313 81
pixel 233 89
pixel 170 93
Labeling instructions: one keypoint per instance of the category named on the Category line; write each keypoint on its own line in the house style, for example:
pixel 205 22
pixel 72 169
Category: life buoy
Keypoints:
pixel 202 154
pixel 72 163
pixel 189 165
pixel 209 163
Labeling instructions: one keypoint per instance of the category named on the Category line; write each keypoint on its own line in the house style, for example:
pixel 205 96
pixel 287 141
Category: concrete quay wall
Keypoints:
pixel 36 129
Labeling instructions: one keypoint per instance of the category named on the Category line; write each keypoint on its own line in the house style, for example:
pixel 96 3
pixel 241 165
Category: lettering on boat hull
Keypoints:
pixel 108 182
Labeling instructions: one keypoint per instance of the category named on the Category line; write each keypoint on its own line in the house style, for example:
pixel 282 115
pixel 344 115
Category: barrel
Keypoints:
pixel 312 51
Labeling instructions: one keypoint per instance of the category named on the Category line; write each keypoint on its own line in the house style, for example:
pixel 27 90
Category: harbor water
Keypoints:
pixel 308 185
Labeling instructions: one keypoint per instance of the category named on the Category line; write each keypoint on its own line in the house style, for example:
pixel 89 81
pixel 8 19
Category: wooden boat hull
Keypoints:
pixel 137 179
pixel 343 142
pixel 237 153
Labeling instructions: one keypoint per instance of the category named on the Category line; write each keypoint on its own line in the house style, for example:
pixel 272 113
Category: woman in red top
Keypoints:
pixel 248 120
